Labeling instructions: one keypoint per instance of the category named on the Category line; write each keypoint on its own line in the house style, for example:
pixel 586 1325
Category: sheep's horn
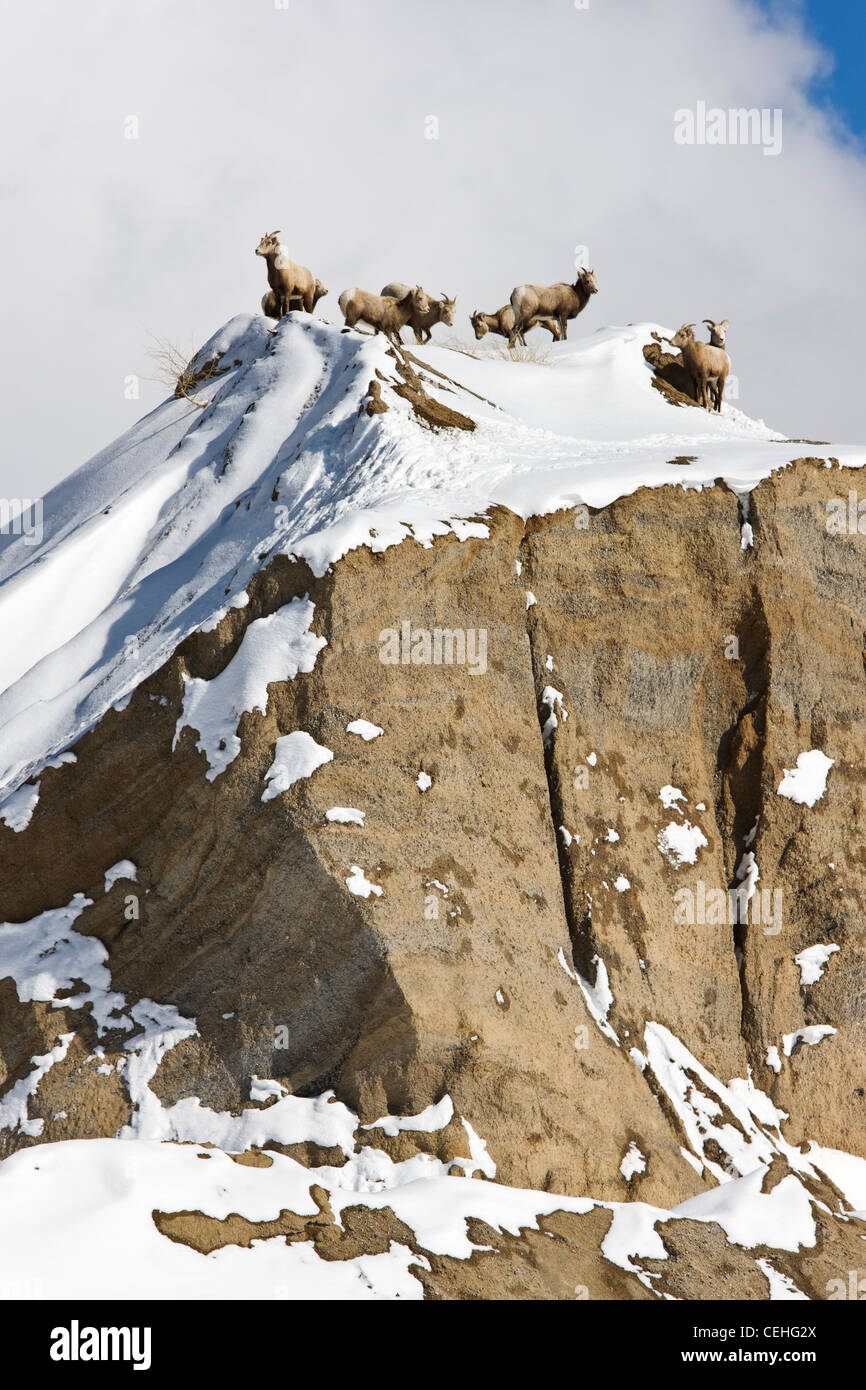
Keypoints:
pixel 710 322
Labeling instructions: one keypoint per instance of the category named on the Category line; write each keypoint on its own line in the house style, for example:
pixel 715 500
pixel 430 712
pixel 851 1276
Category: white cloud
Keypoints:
pixel 555 130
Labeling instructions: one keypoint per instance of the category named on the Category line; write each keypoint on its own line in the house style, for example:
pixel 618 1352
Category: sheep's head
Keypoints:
pixel 319 292
pixel 446 311
pixel 478 323
pixel 718 331
pixel 683 336
pixel 586 280
pixel 268 244
pixel 420 301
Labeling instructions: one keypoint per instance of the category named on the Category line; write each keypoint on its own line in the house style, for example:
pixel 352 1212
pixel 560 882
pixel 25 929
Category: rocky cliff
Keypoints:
pixel 433 798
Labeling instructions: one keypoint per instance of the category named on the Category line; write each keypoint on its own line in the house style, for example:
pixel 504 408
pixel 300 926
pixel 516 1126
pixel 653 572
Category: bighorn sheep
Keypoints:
pixel 562 302
pixel 502 323
pixel 705 365
pixel 271 308
pixel 384 313
pixel 440 311
pixel 287 280
pixel 718 331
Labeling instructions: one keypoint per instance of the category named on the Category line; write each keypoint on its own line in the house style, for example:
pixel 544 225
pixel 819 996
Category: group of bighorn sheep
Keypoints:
pixel 707 364
pixel 531 306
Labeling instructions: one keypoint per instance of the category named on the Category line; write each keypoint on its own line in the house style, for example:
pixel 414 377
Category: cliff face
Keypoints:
pixel 505 905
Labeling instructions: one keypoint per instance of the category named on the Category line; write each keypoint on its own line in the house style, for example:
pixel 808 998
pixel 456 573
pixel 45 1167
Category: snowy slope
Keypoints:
pixel 161 532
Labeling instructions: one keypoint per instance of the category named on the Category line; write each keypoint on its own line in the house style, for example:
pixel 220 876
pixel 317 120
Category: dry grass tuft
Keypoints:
pixel 498 350
pixel 176 368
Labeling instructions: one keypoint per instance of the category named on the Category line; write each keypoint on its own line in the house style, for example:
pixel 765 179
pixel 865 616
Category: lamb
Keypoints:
pixel 562 302
pixel 705 364
pixel 502 322
pixel 440 311
pixel 271 308
pixel 287 280
pixel 384 313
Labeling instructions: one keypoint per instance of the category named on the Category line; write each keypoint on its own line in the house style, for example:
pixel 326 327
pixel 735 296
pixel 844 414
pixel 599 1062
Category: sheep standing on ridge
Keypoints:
pixel 440 311
pixel 562 302
pixel 384 313
pixel 287 280
pixel 502 323
pixel 707 366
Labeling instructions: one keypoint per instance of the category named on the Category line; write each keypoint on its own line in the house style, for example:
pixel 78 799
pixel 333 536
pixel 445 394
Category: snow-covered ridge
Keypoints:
pixel 159 534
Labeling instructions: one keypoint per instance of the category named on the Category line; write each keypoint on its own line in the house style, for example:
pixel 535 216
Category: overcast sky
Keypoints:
pixel 555 129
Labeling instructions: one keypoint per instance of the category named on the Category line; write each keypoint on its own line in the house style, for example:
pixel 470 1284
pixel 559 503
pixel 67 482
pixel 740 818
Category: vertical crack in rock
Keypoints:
pixel 740 762
pixel 578 916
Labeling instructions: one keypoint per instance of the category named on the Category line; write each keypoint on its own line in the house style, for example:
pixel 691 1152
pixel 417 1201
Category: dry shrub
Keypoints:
pixel 498 350
pixel 176 368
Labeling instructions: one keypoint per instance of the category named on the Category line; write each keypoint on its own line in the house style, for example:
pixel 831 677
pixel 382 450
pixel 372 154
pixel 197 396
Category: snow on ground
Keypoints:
pixel 680 844
pixel 782 1218
pixel 346 815
pixel 364 729
pixel 124 868
pixel 811 1035
pixel 358 884
pixel 78 1215
pixel 16 809
pixel 598 997
pixel 807 782
pixel 633 1163
pixel 160 533
pixel 274 648
pixel 433 1118
pixel 296 756
pixel 813 963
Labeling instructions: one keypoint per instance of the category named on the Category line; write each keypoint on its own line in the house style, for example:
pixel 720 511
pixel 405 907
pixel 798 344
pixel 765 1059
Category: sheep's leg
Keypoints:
pixel 563 327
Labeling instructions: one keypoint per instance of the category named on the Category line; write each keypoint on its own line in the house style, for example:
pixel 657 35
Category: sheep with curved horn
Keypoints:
pixel 421 323
pixel 287 280
pixel 718 331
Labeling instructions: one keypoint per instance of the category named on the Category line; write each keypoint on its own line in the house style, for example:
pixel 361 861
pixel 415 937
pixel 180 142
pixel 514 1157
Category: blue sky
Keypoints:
pixel 840 28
